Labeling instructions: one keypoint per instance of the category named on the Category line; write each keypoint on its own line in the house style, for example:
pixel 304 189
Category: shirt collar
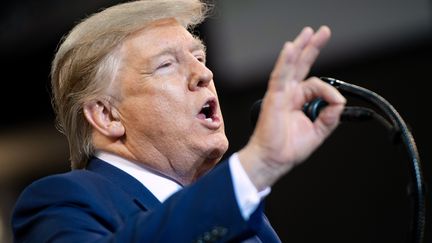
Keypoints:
pixel 161 187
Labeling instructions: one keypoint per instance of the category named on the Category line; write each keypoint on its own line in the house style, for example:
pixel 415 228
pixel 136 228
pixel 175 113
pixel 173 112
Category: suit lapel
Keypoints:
pixel 140 194
pixel 267 233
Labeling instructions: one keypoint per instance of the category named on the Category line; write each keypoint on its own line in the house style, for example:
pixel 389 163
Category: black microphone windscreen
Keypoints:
pixel 311 109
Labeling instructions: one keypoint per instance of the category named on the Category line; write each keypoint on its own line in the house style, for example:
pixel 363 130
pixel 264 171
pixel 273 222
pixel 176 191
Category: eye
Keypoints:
pixel 201 58
pixel 164 65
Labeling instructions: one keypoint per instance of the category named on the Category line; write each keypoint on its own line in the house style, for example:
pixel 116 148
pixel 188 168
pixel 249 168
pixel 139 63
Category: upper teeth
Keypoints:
pixel 206 106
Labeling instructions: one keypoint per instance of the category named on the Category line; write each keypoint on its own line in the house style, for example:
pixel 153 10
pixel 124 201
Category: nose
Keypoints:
pixel 200 76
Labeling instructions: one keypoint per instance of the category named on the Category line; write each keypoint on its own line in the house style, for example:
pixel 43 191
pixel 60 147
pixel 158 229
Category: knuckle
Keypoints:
pixel 288 45
pixel 314 79
pixel 275 75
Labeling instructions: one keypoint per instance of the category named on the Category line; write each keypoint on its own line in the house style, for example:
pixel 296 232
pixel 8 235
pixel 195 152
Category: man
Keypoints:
pixel 141 114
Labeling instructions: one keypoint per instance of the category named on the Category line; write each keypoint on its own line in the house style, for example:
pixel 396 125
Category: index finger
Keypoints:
pixel 285 68
pixel 311 52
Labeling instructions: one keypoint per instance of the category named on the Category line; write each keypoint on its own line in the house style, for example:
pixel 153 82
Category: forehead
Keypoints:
pixel 162 34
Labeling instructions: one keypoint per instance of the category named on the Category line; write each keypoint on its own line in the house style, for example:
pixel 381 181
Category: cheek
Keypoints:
pixel 156 114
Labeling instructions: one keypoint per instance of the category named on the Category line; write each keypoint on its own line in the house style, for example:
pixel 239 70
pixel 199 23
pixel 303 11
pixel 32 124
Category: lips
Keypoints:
pixel 208 114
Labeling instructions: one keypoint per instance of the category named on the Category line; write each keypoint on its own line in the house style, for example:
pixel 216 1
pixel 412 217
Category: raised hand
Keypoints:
pixel 284 136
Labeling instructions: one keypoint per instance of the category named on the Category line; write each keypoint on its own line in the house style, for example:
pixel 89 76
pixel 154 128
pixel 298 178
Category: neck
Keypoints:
pixel 184 168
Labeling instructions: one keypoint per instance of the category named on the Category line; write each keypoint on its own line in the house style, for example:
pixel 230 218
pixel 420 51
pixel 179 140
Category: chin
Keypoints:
pixel 218 148
pixel 214 150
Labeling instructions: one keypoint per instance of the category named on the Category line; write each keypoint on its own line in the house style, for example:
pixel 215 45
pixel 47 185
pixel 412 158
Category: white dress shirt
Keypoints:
pixel 247 196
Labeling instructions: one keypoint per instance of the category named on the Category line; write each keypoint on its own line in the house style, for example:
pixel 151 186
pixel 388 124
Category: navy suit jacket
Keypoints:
pixel 105 204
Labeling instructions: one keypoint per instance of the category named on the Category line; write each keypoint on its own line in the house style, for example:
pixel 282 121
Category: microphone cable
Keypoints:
pixel 394 124
pixel 400 128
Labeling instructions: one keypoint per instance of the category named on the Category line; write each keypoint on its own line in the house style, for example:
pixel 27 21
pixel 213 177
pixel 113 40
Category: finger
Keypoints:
pixel 321 37
pixel 284 69
pixel 304 37
pixel 311 52
pixel 316 88
pixel 328 118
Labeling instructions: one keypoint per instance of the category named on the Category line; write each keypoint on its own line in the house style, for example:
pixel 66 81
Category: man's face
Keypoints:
pixel 168 102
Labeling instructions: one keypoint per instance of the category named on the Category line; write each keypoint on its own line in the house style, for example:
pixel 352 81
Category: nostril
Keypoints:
pixel 194 84
pixel 199 81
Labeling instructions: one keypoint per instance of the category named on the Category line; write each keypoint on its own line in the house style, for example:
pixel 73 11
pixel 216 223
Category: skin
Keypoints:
pixel 164 83
pixel 284 136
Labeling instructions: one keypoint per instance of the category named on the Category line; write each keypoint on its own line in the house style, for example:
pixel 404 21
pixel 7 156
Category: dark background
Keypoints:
pixel 353 189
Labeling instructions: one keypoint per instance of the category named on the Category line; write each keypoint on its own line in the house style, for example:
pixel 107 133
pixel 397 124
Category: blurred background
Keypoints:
pixel 353 189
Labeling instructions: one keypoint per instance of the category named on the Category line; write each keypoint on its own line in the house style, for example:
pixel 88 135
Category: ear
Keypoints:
pixel 104 118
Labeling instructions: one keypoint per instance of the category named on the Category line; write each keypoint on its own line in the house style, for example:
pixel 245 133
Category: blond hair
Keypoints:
pixel 86 62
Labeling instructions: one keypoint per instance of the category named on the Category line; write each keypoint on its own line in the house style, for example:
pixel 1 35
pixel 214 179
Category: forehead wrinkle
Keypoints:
pixel 193 44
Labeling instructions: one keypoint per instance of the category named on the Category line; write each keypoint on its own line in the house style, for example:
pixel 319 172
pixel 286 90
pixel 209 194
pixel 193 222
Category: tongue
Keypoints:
pixel 201 116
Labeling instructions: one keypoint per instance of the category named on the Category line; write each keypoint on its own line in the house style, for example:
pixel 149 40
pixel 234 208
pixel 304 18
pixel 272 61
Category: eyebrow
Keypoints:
pixel 199 44
pixel 196 46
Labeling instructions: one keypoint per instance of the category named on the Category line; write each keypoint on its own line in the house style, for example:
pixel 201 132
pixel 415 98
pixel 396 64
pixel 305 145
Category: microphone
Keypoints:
pixel 314 107
pixel 311 109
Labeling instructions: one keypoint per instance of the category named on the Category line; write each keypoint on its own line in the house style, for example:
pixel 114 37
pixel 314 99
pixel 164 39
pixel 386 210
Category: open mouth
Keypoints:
pixel 208 111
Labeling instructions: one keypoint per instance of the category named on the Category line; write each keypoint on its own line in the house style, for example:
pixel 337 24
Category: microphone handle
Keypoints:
pixel 311 109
